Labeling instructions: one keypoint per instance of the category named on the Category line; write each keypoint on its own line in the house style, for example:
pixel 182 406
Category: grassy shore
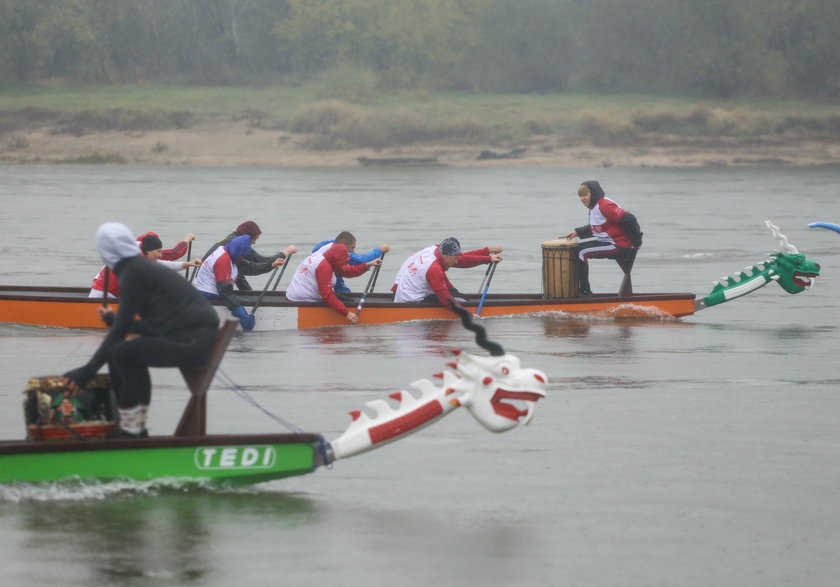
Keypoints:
pixel 334 122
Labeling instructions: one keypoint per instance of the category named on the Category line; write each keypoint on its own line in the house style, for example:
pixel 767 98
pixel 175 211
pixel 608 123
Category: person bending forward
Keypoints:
pixel 177 328
pixel 314 280
pixel 422 277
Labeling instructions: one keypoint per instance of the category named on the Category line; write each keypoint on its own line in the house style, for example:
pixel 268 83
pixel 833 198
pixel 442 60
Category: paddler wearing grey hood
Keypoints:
pixel 177 327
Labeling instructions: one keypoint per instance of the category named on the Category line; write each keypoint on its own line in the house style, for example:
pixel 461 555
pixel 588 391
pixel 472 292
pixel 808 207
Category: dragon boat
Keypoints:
pixel 67 438
pixel 71 307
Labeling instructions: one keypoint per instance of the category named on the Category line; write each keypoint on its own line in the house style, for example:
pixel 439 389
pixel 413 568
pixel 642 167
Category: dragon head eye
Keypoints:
pixel 505 371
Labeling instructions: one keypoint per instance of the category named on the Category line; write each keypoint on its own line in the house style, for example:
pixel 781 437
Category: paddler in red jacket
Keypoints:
pixel 422 278
pixel 314 280
pixel 152 248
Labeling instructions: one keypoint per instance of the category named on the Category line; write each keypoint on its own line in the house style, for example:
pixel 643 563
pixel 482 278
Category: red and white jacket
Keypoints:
pixel 423 274
pixel 314 279
pixel 217 267
pixel 604 219
pixel 176 252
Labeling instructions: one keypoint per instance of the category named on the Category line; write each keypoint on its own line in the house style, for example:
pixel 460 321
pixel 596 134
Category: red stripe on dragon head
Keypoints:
pixel 498 392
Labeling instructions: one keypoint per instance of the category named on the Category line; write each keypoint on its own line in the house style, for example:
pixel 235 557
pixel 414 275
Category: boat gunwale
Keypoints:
pixel 24 447
pixel 375 300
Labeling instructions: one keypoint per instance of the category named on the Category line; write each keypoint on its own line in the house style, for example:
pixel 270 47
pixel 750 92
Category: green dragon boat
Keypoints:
pixel 231 459
pixel 59 450
pixel 495 390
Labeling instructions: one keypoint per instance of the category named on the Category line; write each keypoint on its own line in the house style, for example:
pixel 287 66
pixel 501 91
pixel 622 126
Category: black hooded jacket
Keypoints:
pixel 628 221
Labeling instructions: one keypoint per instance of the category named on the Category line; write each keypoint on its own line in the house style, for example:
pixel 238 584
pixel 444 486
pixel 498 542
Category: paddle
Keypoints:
pixel 486 273
pixel 105 288
pixel 492 270
pixel 267 283
pixel 265 289
pixel 195 271
pixel 370 286
pixel 828 225
pixel 279 277
pixel 189 255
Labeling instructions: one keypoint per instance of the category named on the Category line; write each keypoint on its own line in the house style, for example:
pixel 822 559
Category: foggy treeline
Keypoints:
pixel 720 48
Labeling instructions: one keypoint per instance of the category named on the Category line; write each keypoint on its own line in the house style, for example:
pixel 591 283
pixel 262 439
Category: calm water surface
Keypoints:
pixel 704 451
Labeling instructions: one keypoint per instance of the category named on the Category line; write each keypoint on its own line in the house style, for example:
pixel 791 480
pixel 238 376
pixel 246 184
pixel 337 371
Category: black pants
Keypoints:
pixel 594 250
pixel 130 361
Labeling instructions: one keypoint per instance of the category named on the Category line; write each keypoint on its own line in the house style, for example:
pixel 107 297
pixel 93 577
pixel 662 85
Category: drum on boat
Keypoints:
pixel 559 277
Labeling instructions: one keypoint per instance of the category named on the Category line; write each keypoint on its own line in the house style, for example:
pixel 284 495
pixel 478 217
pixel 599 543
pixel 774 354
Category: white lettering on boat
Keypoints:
pixel 235 457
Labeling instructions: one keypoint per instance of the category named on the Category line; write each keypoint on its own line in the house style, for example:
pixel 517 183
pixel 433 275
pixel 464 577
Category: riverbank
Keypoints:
pixel 304 126
pixel 235 143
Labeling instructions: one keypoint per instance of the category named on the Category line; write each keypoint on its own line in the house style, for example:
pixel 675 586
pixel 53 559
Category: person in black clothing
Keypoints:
pixel 177 328
pixel 250 228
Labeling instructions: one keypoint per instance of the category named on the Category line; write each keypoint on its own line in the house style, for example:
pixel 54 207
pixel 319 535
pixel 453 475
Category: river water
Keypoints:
pixel 700 451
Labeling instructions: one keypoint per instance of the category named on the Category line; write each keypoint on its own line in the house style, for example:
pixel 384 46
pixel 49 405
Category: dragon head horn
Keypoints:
pixel 784 244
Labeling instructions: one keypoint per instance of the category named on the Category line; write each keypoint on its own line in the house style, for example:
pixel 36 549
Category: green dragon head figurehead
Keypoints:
pixel 792 271
pixel 787 267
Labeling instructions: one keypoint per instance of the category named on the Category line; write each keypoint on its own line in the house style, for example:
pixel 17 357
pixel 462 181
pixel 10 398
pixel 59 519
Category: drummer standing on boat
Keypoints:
pixel 422 277
pixel 315 278
pixel 616 231
pixel 177 328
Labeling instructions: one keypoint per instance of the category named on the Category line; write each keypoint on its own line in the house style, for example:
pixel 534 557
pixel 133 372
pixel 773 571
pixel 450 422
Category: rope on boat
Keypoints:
pixel 241 392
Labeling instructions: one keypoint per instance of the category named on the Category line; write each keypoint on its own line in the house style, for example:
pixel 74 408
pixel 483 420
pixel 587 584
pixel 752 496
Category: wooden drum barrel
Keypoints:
pixel 558 271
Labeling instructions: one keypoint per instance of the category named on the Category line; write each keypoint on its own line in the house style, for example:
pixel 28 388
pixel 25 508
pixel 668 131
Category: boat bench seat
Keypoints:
pixel 626 265
pixel 194 419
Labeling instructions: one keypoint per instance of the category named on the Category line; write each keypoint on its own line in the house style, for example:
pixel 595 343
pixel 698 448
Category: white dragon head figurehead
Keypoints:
pixel 497 392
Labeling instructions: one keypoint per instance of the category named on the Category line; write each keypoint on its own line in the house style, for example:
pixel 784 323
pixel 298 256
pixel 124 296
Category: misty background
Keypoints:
pixel 715 48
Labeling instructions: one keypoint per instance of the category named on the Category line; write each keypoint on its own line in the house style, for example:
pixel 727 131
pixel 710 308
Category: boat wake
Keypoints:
pixel 621 311
pixel 92 490
pixel 634 311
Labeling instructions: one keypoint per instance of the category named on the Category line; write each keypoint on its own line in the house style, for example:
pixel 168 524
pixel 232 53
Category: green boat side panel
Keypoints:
pixel 230 463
